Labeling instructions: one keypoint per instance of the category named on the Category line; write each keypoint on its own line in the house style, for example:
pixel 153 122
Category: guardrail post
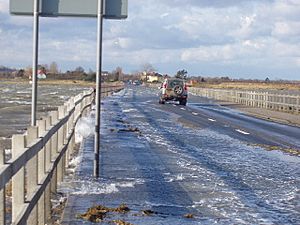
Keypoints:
pixel 273 102
pixel 47 168
pixel 75 110
pixel 54 149
pixel 298 104
pixel 72 145
pixel 68 130
pixel 41 172
pixel 48 146
pixel 83 104
pixel 32 174
pixel 72 117
pixel 60 143
pixel 41 155
pixel 2 192
pixel 72 104
pixel 65 141
pixel 18 180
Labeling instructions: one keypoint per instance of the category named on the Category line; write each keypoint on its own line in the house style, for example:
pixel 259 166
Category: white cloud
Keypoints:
pixel 76 49
pixel 20 21
pixel 287 30
pixel 297 61
pixel 164 15
pixel 286 9
pixel 280 49
pixel 208 54
pixel 254 44
pixel 124 43
pixel 3 6
pixel 170 33
pixel 245 28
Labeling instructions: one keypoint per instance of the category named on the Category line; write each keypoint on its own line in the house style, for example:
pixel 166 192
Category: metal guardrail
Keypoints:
pixel 39 160
pixel 262 99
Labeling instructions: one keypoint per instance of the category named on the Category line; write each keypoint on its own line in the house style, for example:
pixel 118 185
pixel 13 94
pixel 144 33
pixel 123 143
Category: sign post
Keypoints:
pixel 98 87
pixel 35 61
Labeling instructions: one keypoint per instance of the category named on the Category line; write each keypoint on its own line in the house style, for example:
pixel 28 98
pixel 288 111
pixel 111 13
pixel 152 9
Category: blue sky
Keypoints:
pixel 236 38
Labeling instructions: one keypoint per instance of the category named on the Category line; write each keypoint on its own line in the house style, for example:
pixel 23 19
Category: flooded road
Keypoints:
pixel 178 162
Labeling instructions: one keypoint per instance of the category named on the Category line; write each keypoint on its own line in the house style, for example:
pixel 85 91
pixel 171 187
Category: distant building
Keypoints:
pixel 152 77
pixel 41 74
pixel 104 73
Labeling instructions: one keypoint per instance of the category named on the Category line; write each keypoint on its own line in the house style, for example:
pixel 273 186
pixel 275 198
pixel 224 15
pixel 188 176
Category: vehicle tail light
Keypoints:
pixel 165 85
pixel 185 87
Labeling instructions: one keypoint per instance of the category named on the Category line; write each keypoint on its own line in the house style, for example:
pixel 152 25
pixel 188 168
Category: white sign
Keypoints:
pixel 113 9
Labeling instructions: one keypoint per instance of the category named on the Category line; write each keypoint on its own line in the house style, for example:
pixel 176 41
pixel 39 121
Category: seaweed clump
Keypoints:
pixel 189 216
pixel 148 212
pixel 120 222
pixel 98 213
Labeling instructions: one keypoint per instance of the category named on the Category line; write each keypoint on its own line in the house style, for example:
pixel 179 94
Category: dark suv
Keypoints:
pixel 173 89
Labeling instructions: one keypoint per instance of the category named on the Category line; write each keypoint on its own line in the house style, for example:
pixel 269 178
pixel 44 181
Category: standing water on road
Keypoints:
pixel 171 172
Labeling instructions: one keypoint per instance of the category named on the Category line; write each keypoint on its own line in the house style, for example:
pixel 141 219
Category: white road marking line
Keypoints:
pixel 196 114
pixel 182 108
pixel 212 120
pixel 174 105
pixel 242 132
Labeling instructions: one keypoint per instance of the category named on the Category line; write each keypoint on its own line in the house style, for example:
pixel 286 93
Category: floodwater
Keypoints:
pixel 15 105
pixel 150 161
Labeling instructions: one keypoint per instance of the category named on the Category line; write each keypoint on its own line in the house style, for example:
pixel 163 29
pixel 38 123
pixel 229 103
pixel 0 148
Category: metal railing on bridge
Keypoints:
pixel 273 100
pixel 39 161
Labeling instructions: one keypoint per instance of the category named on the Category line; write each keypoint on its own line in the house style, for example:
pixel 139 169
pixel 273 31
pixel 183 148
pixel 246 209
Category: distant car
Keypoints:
pixel 173 89
pixel 137 82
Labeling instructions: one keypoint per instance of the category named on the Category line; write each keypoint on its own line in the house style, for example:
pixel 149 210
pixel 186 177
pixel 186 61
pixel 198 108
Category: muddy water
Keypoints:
pixel 15 105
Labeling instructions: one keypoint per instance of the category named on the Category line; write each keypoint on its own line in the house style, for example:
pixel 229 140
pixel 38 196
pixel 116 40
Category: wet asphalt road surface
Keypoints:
pixel 202 159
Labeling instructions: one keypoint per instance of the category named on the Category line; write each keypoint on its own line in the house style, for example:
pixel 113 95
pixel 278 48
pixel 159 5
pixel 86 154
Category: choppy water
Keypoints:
pixel 15 106
pixel 173 170
pixel 15 103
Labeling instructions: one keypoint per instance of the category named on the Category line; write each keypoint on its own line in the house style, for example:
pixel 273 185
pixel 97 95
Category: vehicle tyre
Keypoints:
pixel 178 90
pixel 183 102
pixel 161 101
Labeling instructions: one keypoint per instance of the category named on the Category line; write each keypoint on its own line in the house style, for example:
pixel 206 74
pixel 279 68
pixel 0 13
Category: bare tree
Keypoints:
pixel 45 66
pixel 148 68
pixel 79 69
pixel 181 74
pixel 119 72
pixel 53 69
pixel 28 72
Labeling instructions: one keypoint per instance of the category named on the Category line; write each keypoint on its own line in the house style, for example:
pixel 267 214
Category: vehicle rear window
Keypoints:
pixel 174 83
